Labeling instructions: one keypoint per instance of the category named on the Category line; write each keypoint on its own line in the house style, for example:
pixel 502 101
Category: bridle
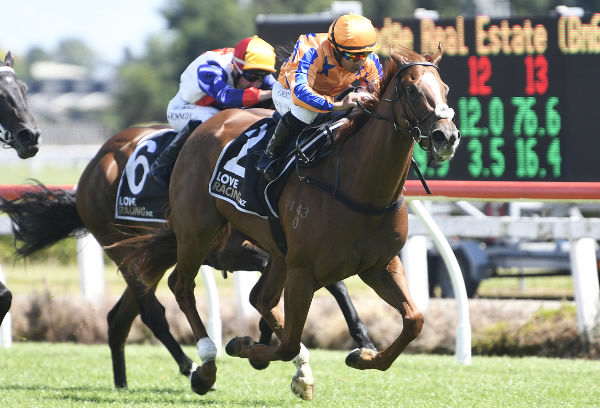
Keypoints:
pixel 412 128
pixel 6 136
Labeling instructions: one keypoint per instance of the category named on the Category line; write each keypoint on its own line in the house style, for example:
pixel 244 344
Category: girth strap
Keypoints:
pixel 358 207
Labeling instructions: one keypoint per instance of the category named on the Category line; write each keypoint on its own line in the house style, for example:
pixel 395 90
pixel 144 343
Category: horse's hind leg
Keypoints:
pixel 190 255
pixel 391 285
pixel 119 320
pixel 356 327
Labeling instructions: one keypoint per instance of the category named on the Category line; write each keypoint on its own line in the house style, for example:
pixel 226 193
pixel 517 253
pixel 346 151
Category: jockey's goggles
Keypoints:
pixel 254 76
pixel 355 56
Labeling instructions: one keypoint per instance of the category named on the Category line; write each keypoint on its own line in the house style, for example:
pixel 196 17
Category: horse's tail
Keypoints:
pixel 156 252
pixel 151 252
pixel 41 217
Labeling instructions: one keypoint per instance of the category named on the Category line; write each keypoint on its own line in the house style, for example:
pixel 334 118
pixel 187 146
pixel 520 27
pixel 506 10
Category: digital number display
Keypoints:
pixel 524 91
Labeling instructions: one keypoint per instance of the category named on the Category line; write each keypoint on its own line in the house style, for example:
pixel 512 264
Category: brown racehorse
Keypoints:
pixel 17 130
pixel 355 228
pixel 42 217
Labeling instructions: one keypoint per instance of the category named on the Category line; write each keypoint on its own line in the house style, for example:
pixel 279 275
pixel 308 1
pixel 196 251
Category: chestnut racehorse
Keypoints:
pixel 42 217
pixel 355 217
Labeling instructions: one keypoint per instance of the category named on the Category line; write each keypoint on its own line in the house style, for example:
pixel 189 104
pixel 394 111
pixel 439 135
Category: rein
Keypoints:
pixel 349 202
pixel 415 134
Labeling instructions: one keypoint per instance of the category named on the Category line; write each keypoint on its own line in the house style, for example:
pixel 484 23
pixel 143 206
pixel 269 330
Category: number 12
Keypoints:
pixel 480 71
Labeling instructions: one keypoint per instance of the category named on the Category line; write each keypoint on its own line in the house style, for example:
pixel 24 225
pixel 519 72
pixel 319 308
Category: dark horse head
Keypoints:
pixel 17 125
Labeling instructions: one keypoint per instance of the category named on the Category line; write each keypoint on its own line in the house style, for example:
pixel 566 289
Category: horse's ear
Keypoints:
pixel 400 59
pixel 437 56
pixel 9 59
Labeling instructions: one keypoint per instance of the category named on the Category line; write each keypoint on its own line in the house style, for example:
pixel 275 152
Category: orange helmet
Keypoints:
pixel 254 53
pixel 353 33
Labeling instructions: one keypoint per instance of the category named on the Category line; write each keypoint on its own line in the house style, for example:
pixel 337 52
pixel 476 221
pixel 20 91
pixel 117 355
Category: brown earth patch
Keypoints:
pixel 499 327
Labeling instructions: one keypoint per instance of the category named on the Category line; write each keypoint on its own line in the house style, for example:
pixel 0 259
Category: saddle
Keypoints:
pixel 236 180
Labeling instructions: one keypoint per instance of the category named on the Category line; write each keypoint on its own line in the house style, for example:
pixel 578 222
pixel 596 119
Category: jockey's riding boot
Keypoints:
pixel 161 169
pixel 288 127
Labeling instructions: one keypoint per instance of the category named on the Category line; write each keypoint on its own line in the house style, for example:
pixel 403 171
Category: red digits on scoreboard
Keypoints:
pixel 480 71
pixel 536 75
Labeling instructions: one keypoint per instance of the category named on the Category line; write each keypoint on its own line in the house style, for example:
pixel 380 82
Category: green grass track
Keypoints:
pixel 70 375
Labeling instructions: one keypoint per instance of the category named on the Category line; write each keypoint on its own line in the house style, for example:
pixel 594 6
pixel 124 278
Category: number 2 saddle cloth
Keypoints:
pixel 236 180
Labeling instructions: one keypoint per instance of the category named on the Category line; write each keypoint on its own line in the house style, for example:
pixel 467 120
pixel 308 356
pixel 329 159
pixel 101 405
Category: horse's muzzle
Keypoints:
pixel 26 142
pixel 444 140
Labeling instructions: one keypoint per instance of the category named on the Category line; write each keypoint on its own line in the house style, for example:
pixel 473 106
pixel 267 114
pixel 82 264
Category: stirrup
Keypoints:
pixel 265 160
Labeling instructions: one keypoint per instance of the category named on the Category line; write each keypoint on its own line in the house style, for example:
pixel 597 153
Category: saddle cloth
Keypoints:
pixel 139 198
pixel 235 179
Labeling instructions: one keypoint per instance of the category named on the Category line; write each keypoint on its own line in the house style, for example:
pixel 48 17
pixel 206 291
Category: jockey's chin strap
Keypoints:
pixel 412 129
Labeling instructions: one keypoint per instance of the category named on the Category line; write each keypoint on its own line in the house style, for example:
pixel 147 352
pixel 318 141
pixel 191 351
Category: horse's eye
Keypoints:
pixel 412 90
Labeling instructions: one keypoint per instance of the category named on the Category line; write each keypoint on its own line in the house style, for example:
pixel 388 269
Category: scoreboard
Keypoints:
pixel 524 90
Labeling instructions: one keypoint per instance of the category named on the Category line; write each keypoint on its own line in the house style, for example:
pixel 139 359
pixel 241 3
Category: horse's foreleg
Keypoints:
pixel 264 297
pixel 356 327
pixel 391 285
pixel 297 302
pixel 5 301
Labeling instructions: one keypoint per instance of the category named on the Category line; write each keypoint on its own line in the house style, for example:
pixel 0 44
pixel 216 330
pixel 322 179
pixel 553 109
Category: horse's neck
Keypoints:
pixel 376 161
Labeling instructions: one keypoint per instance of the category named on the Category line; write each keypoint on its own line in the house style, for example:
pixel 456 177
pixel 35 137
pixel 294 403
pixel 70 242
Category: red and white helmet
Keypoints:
pixel 254 53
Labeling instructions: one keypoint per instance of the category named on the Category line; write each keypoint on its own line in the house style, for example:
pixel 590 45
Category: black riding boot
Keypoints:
pixel 161 169
pixel 288 127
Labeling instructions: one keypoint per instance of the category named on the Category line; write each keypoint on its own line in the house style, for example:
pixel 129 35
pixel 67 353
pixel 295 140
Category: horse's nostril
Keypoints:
pixel 28 136
pixel 438 136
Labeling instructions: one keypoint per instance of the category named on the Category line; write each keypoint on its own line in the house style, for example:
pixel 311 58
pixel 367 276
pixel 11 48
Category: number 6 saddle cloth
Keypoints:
pixel 236 181
pixel 139 198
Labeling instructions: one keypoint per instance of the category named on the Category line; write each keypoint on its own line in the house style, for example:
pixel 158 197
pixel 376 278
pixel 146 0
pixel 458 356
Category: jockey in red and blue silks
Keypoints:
pixel 321 67
pixel 216 80
pixel 224 78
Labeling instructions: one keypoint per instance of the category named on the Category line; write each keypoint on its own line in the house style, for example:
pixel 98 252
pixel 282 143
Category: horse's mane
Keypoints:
pixel 358 117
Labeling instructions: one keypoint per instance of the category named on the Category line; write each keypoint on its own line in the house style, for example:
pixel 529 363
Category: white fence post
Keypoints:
pixel 585 280
pixel 213 323
pixel 463 328
pixel 414 258
pixel 6 326
pixel 90 259
pixel 243 282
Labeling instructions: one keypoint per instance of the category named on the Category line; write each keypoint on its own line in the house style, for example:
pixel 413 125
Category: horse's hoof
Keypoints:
pixel 302 389
pixel 303 383
pixel 357 356
pixel 352 358
pixel 235 345
pixel 259 365
pixel 202 383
